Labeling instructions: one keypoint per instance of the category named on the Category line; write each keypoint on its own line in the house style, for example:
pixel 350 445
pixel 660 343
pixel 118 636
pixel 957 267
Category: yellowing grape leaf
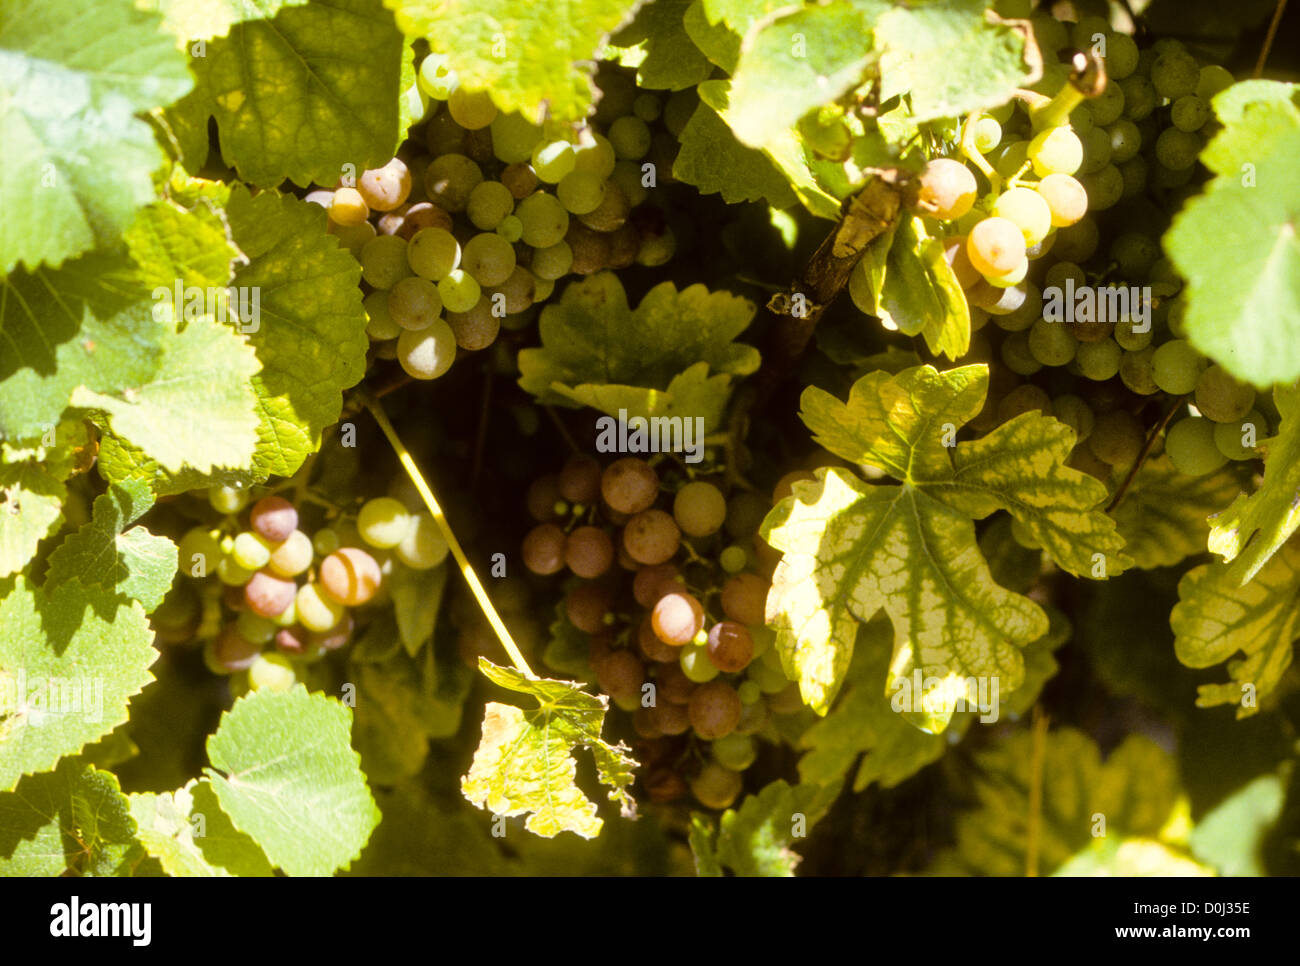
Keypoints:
pixel 1251 530
pixel 851 548
pixel 1133 793
pixel 523 764
pixel 533 58
pixel 1216 618
pixel 1244 311
pixel 1164 515
pixel 1132 858
pixel 755 839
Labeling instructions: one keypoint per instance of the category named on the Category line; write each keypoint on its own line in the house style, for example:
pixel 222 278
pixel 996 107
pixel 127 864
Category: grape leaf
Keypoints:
pixel 535 60
pixel 310 339
pixel 74 817
pixel 672 60
pixel 70 659
pixel 205 19
pixel 904 278
pixel 192 246
pixel 417 596
pixel 292 782
pixel 1132 858
pixel 1244 311
pixel 851 548
pixel 592 336
pixel 567 648
pixel 690 394
pixel 1216 617
pixel 523 765
pixel 703 841
pixel 1254 527
pixel 189 834
pixel 1163 516
pixel 1231 836
pixel 77 160
pixel 31 506
pixel 306 94
pixel 203 368
pixel 1132 794
pixel 716 41
pixel 755 839
pixel 104 553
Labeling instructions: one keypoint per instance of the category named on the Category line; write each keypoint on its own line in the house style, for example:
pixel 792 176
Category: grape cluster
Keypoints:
pixel 482 212
pixel 1071 218
pixel 282 599
pixel 669 578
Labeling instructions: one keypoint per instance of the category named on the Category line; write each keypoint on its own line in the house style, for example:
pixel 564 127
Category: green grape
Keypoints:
pixel 1104 188
pixel 735 751
pixel 350 576
pixel 379 323
pixel 630 138
pixel 433 253
pixel 1175 74
pixel 227 499
pixel 1128 337
pixel 1175 367
pixel 1063 271
pixel 593 154
pixel 1088 31
pixel 383 261
pixel 552 262
pixel 648 107
pixel 1026 398
pixel 552 160
pixel 1211 80
pixel 414 303
pixel 488 204
pixel 627 176
pixel 1191 447
pixel 733 559
pixel 231 574
pixel 449 179
pixel 1100 361
pixel 1140 98
pixel 1077 242
pixel 1135 371
pixel 1056 150
pixel 1108 106
pixel 459 290
pixel 988 132
pixel 695 664
pixel 1222 398
pixel 1135 253
pixel 436 77
pixel 1096 151
pixel 1238 438
pixel 1081 121
pixel 1116 438
pixel 1011 159
pixel 1075 413
pixel 325 541
pixel 1121 56
pixel 750 692
pixel 316 610
pixel 1125 141
pixel 472 110
pixel 544 218
pixel 1177 150
pixel 1029 311
pixel 1134 175
pixel 947 189
pixel 383 522
pixel 1049 33
pixel 657 249
pixel 699 508
pixel 716 787
pixel 1065 197
pixel 199 553
pixel 1012 278
pixel 514 137
pixel 770 680
pixel 423 546
pixel 510 228
pixel 1167 178
pixel 271 672
pixel 489 259
pixel 252 551
pixel 254 628
pixel 580 192
pixel 428 353
pixel 1052 343
pixel 1190 113
pixel 1017 356
pixel 476 329
pixel 1027 210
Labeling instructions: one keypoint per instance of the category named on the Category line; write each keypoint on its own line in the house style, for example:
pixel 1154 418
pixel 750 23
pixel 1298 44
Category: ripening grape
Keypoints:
pixel 735 751
pixel 676 618
pixel 514 137
pixel 332 638
pixel 471 110
pixel 414 303
pixel 1012 158
pixel 1027 210
pixel 383 522
pixel 230 652
pixel 274 518
pixel 477 328
pixel 589 552
pixel 271 672
pixel 579 479
pixel 436 78
pixel 594 154
pixel 383 261
pixel 1191 446
pixel 350 576
pixel 629 485
pixel 996 246
pixel 232 574
pixel 715 710
pixel 1096 151
pixel 1056 150
pixel 1104 188
pixel 326 541
pixel 1222 398
pixel 716 787
pixel 428 353
pixel 348 208
pixel 380 326
pixel 520 179
pixel 1116 438
pixel 699 509
pixel 651 537
pixel 1017 356
pixel 695 664
pixel 1135 253
pixel 269 595
pixel 386 188
pixel 947 188
pixel 489 258
pixel 731 647
pixel 424 545
pixel 1127 335
pixel 291 640
pixel 227 499
pixel 519 290
pixel 510 228
pixel 669 718
pixel 251 551
pixel 988 132
pixel 744 598
pixel 954 252
pixel 542 496
pixel 292 556
pixel 1066 199
pixel 1190 113
pixel 1106 108
pixel 543 549
pixel 1011 278
pixel 1175 367
pixel 316 610
pixel 651 583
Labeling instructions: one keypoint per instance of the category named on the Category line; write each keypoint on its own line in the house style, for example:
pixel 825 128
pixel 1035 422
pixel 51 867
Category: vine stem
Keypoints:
pixel 1142 456
pixel 1270 37
pixel 1038 749
pixel 408 463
